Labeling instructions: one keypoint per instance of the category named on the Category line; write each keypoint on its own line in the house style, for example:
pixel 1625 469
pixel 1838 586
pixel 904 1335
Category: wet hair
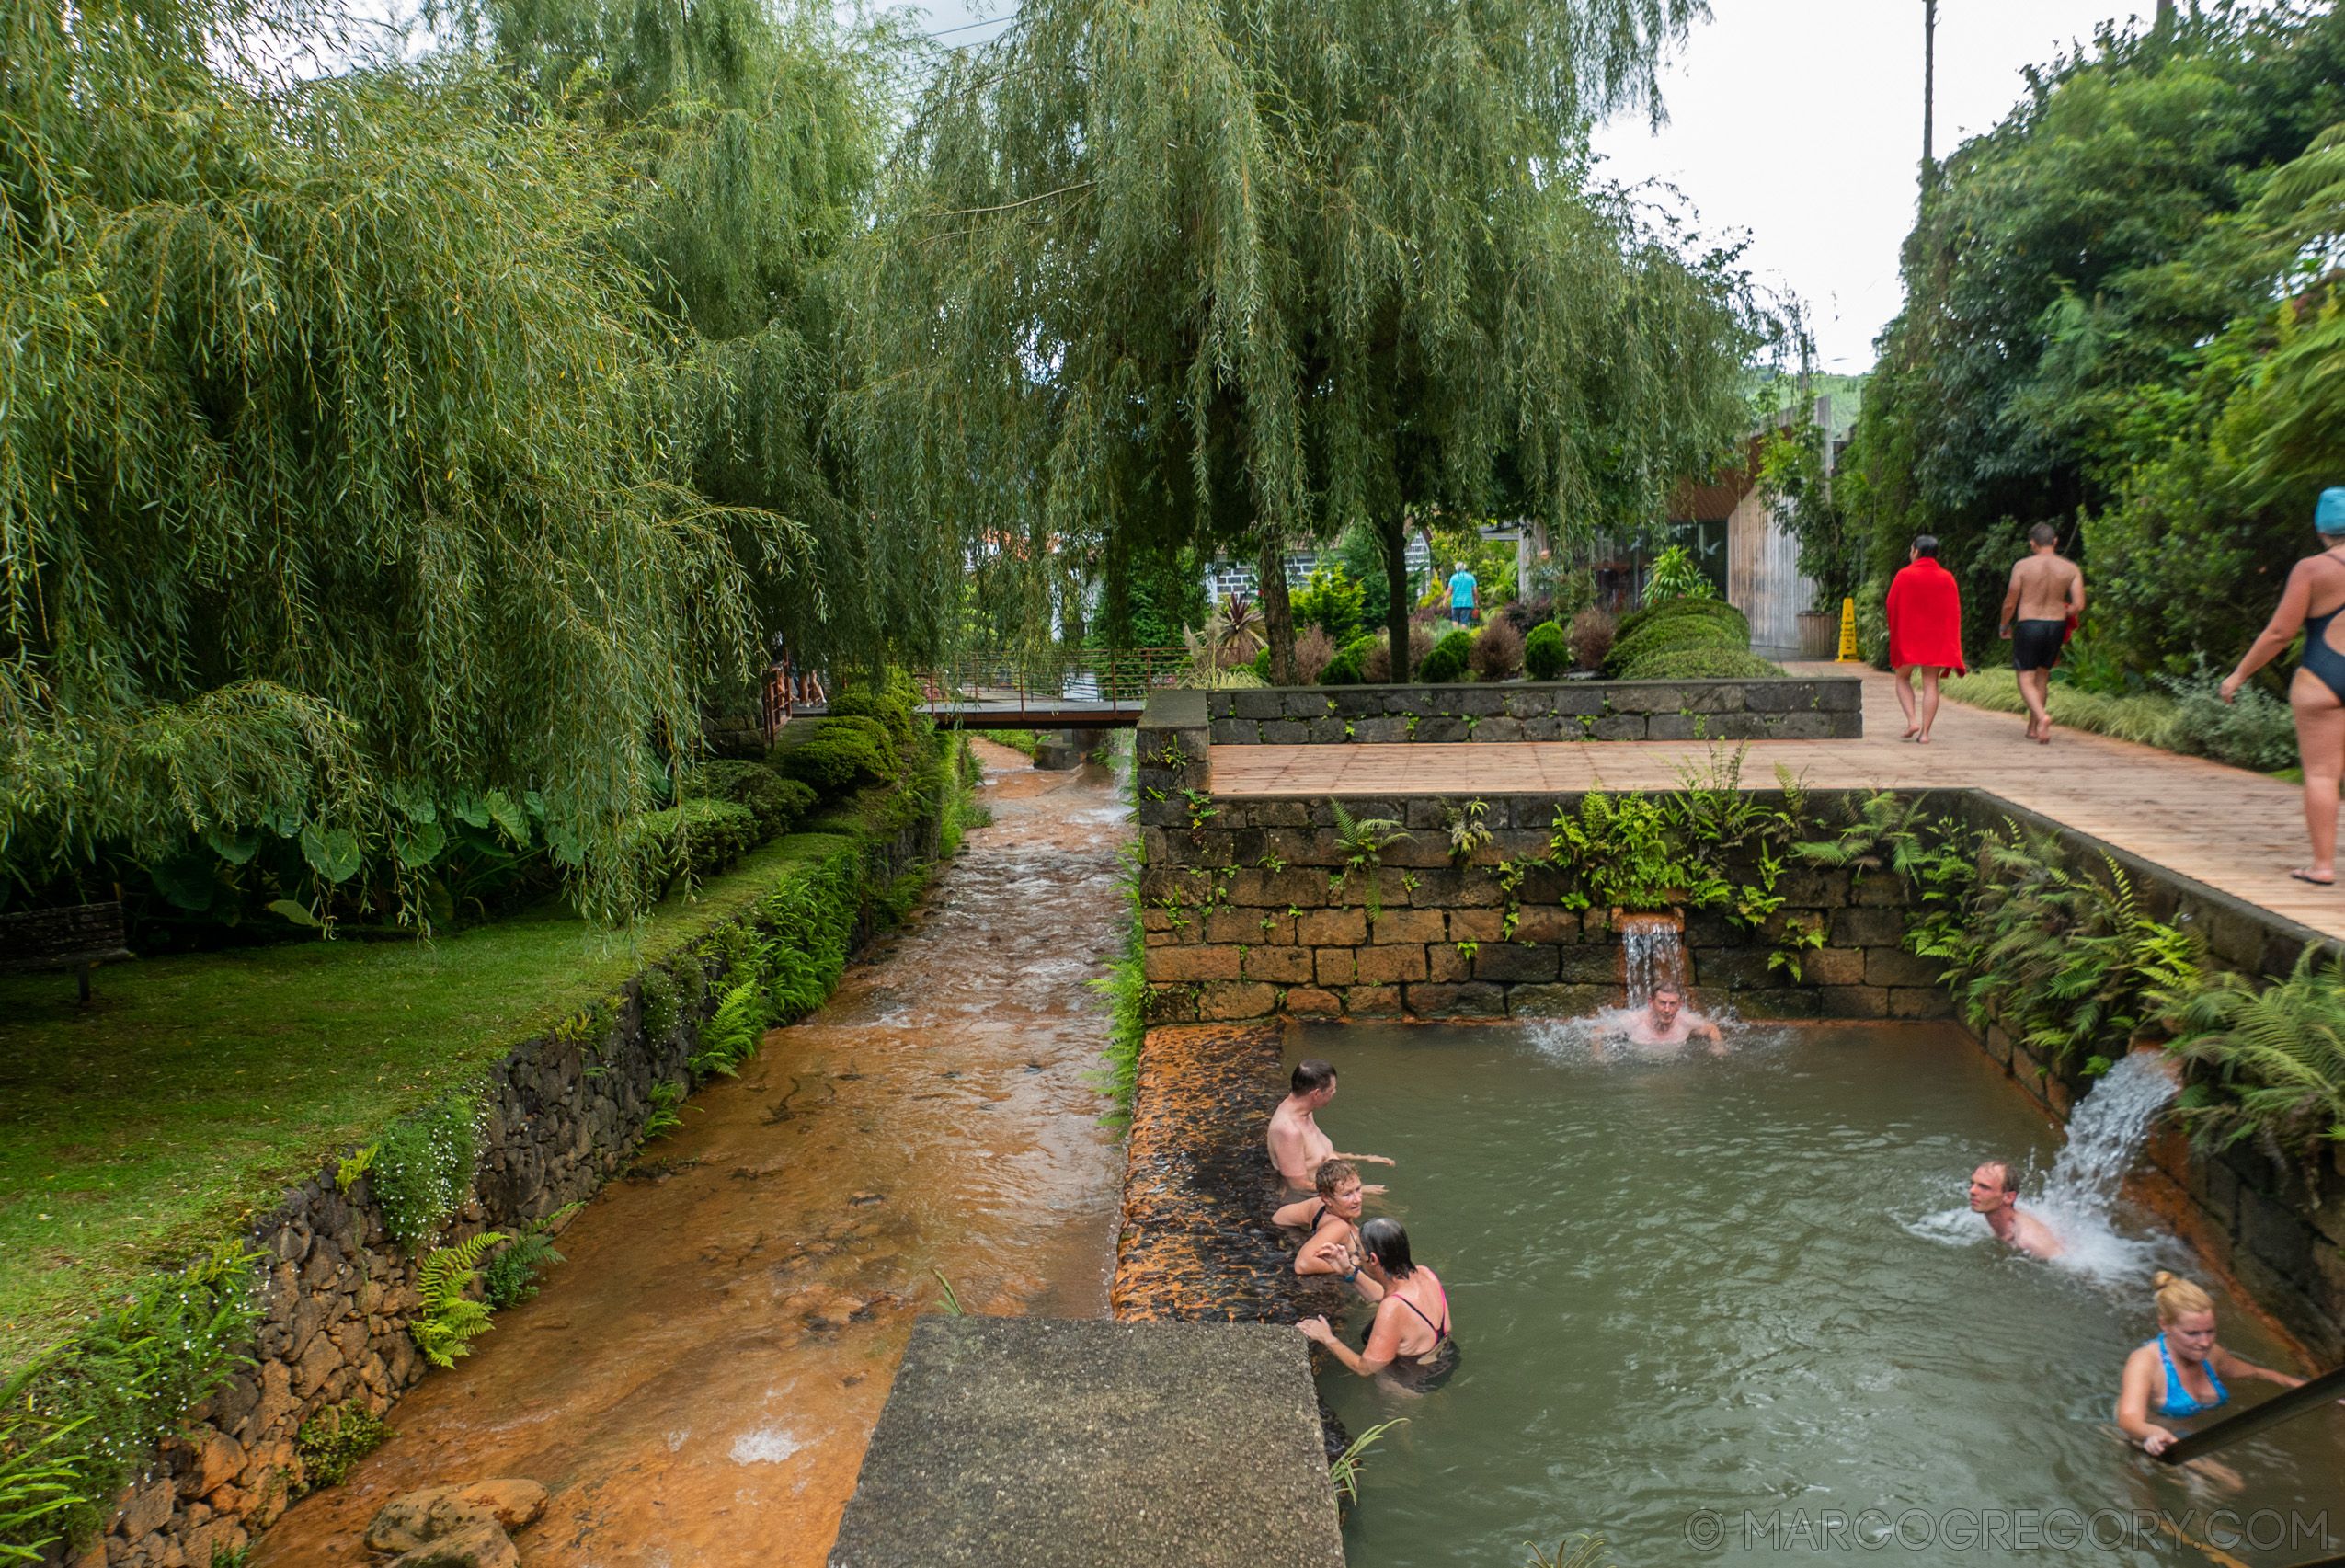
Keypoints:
pixel 2003 1170
pixel 1332 1174
pixel 1312 1076
pixel 1926 546
pixel 1670 988
pixel 2043 534
pixel 1389 1245
pixel 2179 1297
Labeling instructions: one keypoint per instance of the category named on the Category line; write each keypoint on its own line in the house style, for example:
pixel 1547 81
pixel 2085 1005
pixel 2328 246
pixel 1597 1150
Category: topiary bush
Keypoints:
pixel 1445 665
pixel 889 709
pixel 1346 668
pixel 841 755
pixel 1707 662
pixel 1545 653
pixel 776 801
pixel 1653 636
pixel 1715 609
pixel 697 838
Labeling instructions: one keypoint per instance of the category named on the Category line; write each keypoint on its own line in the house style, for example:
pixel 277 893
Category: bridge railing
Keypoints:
pixel 1054 681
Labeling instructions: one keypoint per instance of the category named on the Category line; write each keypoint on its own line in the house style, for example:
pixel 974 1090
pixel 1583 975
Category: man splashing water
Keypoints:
pixel 1664 1024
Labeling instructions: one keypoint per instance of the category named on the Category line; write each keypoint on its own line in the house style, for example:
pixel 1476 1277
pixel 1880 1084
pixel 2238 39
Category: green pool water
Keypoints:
pixel 1733 1310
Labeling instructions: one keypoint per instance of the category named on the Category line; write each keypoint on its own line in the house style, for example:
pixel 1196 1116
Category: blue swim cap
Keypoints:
pixel 2328 517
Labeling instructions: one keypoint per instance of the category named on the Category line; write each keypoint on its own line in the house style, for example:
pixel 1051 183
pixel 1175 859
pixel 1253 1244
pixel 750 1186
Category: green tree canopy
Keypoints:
pixel 334 473
pixel 1178 273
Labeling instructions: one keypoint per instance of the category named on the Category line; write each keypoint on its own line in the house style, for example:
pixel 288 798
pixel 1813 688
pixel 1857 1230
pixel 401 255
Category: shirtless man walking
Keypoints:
pixel 1995 1197
pixel 2046 589
pixel 1297 1146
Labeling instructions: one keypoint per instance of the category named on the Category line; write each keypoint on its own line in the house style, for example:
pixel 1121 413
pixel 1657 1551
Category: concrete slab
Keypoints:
pixel 1053 1443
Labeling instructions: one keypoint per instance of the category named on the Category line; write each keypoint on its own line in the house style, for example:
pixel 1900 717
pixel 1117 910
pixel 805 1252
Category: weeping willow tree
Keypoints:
pixel 332 482
pixel 1180 271
pixel 750 132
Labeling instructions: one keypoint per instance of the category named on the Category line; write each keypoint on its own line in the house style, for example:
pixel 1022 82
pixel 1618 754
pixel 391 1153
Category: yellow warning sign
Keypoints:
pixel 1849 631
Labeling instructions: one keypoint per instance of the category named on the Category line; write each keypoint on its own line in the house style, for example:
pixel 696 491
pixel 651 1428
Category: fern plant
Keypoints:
pixel 733 1035
pixel 1620 852
pixel 510 1277
pixel 666 1100
pixel 449 1318
pixel 1365 841
pixel 2277 1056
pixel 336 1438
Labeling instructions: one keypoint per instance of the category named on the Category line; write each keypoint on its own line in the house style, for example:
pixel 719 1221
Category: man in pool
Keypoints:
pixel 1663 1023
pixel 1995 1197
pixel 1297 1146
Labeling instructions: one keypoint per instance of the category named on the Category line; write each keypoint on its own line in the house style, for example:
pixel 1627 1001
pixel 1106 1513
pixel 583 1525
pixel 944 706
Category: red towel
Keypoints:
pixel 1926 618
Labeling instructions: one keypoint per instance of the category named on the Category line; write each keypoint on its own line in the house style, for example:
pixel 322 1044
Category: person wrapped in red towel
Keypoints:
pixel 1924 633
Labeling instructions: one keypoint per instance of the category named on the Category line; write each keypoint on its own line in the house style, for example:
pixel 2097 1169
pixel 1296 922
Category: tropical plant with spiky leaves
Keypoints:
pixel 1364 839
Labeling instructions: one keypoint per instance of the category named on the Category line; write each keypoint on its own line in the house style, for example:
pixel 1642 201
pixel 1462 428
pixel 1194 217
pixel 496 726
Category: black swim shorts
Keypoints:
pixel 2035 645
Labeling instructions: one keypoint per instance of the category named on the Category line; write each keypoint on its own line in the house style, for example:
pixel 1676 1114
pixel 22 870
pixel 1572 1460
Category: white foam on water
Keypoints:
pixel 767 1445
pixel 1602 1037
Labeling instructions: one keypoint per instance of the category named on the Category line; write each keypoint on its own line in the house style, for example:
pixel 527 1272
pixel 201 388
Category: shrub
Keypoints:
pixel 697 839
pixel 1377 667
pixel 423 1168
pixel 890 710
pixel 1527 616
pixel 1347 669
pixel 1675 574
pixel 1334 602
pixel 661 1001
pixel 1591 638
pixel 2256 731
pixel 1705 663
pixel 776 801
pixel 840 756
pixel 1446 663
pixel 1715 609
pixel 1677 632
pixel 1545 653
pixel 1498 652
pixel 1261 666
pixel 1314 652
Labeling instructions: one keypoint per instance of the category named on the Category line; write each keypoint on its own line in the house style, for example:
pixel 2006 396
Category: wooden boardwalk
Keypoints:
pixel 2236 831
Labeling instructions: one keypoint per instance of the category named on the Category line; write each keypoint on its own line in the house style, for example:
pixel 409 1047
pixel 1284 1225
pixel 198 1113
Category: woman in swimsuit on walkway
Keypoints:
pixel 1412 1328
pixel 2179 1374
pixel 2315 594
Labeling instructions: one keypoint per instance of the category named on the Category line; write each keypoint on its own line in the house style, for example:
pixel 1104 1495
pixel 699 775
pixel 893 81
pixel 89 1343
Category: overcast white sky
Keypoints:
pixel 1800 122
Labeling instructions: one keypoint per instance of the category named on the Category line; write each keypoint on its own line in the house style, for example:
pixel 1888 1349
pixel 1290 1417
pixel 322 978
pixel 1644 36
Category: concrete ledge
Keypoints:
pixel 1051 1443
pixel 1796 707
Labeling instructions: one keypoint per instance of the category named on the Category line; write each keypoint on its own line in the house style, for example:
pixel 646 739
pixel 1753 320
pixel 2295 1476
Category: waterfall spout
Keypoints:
pixel 1652 951
pixel 2105 1133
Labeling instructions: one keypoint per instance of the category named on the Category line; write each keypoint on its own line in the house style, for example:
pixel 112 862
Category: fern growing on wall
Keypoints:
pixel 449 1318
pixel 2278 1057
pixel 510 1277
pixel 732 1036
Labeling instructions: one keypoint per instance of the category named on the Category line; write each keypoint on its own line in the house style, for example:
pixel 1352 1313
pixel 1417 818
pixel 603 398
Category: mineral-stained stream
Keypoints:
pixel 697 1382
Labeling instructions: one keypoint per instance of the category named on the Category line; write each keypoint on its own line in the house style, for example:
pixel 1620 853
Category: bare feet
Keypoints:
pixel 1910 733
pixel 1921 740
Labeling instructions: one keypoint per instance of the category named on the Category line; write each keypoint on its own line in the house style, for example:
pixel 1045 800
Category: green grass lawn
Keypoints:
pixel 195 1088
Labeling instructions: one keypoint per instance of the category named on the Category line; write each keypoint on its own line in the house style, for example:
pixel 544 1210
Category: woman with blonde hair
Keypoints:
pixel 2179 1374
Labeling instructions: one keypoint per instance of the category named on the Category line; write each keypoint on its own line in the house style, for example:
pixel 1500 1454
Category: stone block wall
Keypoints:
pixel 1800 708
pixel 1252 912
pixel 561 1115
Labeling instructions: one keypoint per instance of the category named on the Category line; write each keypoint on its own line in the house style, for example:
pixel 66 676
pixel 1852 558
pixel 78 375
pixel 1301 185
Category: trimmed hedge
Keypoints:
pixel 776 801
pixel 1677 632
pixel 1668 608
pixel 698 838
pixel 842 755
pixel 1702 663
pixel 1446 663
pixel 1545 653
pixel 890 710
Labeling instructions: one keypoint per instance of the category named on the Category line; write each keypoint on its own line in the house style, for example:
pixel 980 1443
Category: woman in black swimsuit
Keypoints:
pixel 1411 1334
pixel 2315 592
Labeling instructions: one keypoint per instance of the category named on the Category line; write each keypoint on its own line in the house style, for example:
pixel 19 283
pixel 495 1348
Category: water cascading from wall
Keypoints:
pixel 1652 951
pixel 2106 1133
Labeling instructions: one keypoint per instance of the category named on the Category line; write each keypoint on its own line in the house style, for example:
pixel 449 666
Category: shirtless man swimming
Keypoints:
pixel 2047 589
pixel 1665 1023
pixel 1297 1146
pixel 1995 1197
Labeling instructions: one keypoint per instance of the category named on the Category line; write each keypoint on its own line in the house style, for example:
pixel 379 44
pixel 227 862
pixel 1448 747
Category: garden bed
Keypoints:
pixel 1793 708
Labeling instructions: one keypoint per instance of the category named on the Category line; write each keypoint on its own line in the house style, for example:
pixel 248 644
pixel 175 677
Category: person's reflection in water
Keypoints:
pixel 1410 1340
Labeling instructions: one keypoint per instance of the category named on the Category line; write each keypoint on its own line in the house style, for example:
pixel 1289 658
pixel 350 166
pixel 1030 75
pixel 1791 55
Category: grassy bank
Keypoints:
pixel 195 1088
pixel 2255 733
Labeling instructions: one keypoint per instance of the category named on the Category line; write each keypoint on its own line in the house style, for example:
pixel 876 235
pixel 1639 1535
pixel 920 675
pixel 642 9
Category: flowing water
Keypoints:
pixel 696 1384
pixel 1723 1307
pixel 1653 953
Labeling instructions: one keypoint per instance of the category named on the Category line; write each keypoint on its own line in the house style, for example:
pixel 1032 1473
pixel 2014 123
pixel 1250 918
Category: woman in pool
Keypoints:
pixel 1411 1334
pixel 2179 1374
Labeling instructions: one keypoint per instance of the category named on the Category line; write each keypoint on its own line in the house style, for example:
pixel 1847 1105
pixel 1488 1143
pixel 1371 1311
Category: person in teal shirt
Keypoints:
pixel 1464 596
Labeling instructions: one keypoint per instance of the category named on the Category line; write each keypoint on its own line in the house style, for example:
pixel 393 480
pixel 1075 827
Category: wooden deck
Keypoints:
pixel 2237 832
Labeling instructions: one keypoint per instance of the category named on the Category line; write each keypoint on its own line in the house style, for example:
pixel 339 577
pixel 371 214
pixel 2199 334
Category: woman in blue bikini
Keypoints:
pixel 2315 592
pixel 2179 1374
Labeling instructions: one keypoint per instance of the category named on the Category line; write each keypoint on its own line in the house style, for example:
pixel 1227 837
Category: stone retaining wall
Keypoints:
pixel 1794 708
pixel 561 1116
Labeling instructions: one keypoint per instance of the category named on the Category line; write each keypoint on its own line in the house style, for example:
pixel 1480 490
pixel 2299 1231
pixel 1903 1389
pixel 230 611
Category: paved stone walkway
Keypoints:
pixel 2236 831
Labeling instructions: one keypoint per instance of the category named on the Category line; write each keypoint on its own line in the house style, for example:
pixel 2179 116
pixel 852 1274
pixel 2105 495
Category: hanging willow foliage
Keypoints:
pixel 751 132
pixel 1175 270
pixel 333 481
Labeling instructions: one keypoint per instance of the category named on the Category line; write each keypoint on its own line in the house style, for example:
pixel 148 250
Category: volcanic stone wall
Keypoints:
pixel 1794 708
pixel 562 1115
